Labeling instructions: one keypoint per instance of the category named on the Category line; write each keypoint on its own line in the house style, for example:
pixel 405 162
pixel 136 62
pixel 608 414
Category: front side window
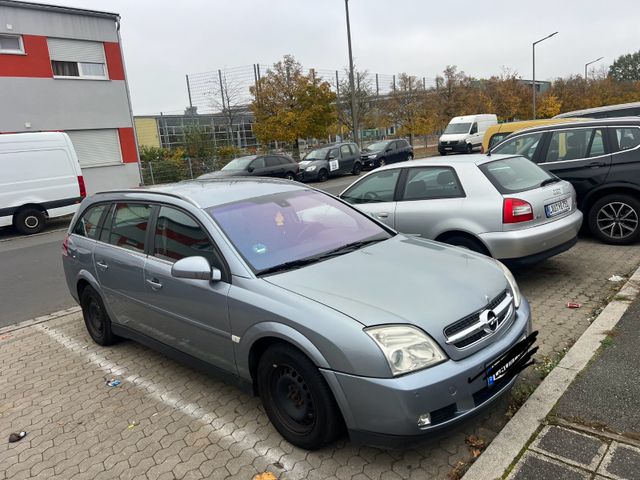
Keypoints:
pixel 178 236
pixel 345 150
pixel 430 183
pixel 523 145
pixel 258 163
pixel 374 188
pixel 497 138
pixel 128 226
pixel 457 128
pixel 627 137
pixel 87 225
pixel 11 44
pixel 515 174
pixel 272 230
pixel 333 154
pixel 575 144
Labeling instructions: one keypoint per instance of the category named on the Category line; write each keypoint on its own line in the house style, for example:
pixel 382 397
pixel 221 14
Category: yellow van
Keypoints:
pixel 496 133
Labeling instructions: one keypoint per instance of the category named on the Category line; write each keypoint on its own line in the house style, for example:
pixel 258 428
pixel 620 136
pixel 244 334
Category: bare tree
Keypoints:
pixel 227 98
pixel 365 93
pixel 405 105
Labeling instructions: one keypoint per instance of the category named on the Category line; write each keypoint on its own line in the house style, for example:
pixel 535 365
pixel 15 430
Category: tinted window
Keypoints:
pixel 523 145
pixel 258 163
pixel 497 138
pixel 273 162
pixel 431 182
pixel 88 224
pixel 129 226
pixel 345 150
pixel 627 138
pixel 333 153
pixel 284 160
pixel 179 236
pixel 354 149
pixel 377 187
pixel 515 174
pixel 574 144
pixel 284 227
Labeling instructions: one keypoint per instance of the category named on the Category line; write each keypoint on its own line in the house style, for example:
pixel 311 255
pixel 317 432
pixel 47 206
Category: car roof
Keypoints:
pixel 210 192
pixel 584 122
pixel 473 159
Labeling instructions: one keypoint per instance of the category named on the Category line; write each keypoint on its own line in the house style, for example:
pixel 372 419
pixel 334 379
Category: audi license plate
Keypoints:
pixel 557 208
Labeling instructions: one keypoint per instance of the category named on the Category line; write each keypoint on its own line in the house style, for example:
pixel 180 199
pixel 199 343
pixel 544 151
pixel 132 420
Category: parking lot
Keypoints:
pixel 168 421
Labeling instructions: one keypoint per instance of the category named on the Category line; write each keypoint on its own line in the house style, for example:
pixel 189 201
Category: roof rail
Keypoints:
pixel 160 192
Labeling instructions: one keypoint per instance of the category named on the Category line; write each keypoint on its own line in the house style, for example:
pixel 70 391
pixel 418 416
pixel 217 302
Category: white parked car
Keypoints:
pixel 40 178
pixel 464 134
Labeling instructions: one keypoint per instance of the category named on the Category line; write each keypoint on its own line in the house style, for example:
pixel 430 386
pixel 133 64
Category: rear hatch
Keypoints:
pixel 531 196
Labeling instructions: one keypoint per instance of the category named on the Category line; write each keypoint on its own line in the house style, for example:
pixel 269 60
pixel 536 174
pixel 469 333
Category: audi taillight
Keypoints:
pixel 83 189
pixel 515 210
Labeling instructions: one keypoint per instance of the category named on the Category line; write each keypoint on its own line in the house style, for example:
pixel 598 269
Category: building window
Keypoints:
pixel 77 59
pixel 11 44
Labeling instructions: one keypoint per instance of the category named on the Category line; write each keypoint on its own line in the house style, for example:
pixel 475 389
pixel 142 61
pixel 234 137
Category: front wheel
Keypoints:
pixel 442 152
pixel 297 399
pixel 357 168
pixel 469 148
pixel 323 175
pixel 29 221
pixel 382 162
pixel 614 219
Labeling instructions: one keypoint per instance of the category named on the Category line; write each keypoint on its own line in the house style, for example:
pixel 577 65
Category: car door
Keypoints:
pixel 625 159
pixel 375 194
pixel 258 168
pixel 578 155
pixel 190 315
pixel 428 197
pixel 335 163
pixel 346 159
pixel 119 259
pixel 274 166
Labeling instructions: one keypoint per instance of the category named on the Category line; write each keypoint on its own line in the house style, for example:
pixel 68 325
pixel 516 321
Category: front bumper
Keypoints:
pixel 458 147
pixel 385 411
pixel 306 176
pixel 369 163
pixel 539 242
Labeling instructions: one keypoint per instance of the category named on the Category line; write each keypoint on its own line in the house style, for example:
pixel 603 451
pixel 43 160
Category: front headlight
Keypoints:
pixel 406 348
pixel 512 284
pixel 371 157
pixel 311 168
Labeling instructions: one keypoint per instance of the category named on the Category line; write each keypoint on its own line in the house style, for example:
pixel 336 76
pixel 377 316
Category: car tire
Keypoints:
pixel 624 212
pixel 323 175
pixel 469 148
pixel 29 220
pixel 96 318
pixel 296 398
pixel 409 157
pixel 466 242
pixel 382 162
pixel 357 168
pixel 442 152
pixel 290 176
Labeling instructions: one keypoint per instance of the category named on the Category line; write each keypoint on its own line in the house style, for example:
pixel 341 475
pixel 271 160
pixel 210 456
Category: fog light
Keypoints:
pixel 424 420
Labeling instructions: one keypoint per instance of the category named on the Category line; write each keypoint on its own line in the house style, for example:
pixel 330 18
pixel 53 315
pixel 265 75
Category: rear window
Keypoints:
pixel 514 174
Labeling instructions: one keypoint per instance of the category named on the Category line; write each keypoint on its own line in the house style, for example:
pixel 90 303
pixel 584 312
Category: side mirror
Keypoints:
pixel 250 169
pixel 196 268
pixel 388 149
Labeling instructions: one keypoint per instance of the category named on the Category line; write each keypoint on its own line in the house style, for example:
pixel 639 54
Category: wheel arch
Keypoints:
pixel 617 188
pixel 444 236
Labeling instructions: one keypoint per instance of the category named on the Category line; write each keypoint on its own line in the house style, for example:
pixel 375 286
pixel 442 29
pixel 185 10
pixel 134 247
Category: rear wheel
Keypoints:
pixel 466 242
pixel 323 175
pixel 296 398
pixel 357 168
pixel 29 220
pixel 290 176
pixel 409 157
pixel 96 318
pixel 614 219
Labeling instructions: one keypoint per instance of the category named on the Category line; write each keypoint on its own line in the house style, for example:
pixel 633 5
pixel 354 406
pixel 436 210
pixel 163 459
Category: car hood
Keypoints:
pixel 306 163
pixel 401 280
pixel 453 136
pixel 227 173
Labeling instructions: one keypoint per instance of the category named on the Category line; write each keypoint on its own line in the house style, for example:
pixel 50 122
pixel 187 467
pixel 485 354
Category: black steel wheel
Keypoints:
pixel 323 175
pixel 296 398
pixel 615 219
pixel 96 317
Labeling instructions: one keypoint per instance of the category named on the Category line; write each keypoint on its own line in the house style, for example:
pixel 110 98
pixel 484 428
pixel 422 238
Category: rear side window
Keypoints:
pixel 345 150
pixel 87 225
pixel 430 183
pixel 377 187
pixel 524 145
pixel 273 162
pixel 627 138
pixel 179 236
pixel 515 174
pixel 128 227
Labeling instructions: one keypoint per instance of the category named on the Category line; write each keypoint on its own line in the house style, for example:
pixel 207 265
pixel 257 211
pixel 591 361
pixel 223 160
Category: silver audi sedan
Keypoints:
pixel 276 287
pixel 503 206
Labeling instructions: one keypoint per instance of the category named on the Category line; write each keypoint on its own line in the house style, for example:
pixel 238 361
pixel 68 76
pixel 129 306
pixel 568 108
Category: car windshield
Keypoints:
pixel 454 128
pixel 239 163
pixel 376 147
pixel 320 154
pixel 516 174
pixel 281 229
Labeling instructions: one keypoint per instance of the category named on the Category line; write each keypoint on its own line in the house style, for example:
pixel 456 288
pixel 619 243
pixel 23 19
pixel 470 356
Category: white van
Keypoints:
pixel 465 134
pixel 40 178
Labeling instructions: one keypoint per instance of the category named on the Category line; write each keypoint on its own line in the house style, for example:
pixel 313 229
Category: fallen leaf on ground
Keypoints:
pixel 265 476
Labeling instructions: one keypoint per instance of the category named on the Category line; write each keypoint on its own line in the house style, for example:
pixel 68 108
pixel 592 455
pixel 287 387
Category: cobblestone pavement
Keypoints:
pixel 168 421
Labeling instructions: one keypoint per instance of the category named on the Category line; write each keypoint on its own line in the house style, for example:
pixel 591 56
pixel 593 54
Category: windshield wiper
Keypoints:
pixel 350 247
pixel 549 181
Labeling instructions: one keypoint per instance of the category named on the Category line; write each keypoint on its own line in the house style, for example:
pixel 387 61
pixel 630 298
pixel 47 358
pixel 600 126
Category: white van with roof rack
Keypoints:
pixel 40 178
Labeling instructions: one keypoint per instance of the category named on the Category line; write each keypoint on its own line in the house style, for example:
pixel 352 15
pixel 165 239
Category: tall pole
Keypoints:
pixel 589 63
pixel 189 92
pixel 534 71
pixel 354 107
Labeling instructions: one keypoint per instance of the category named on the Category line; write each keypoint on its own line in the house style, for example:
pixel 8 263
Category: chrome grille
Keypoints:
pixel 483 323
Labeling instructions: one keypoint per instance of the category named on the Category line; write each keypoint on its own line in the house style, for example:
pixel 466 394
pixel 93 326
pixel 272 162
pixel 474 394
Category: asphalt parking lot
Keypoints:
pixel 168 421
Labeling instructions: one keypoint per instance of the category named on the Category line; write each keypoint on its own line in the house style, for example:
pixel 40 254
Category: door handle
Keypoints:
pixel 382 215
pixel 155 284
pixel 597 164
pixel 102 265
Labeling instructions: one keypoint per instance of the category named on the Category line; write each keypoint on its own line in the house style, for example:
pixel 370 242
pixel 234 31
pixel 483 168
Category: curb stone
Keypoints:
pixel 515 435
pixel 40 319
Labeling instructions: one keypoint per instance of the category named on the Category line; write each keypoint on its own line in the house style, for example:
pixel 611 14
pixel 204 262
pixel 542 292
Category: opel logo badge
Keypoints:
pixel 489 320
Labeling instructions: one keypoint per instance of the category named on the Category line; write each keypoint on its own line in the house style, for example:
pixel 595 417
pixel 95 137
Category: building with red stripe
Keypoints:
pixel 62 69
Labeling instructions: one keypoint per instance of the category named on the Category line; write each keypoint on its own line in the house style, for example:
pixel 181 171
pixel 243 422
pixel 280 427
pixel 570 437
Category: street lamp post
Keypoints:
pixel 534 71
pixel 589 63
pixel 354 112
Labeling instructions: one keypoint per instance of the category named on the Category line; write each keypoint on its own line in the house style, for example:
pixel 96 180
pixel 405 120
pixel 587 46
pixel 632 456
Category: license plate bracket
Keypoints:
pixel 512 362
pixel 557 208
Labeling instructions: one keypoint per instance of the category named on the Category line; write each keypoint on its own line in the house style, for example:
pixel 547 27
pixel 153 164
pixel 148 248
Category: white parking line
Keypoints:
pixel 154 390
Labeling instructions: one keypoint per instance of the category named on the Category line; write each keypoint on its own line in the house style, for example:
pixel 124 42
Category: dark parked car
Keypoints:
pixel 387 151
pixel 270 165
pixel 337 159
pixel 601 158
